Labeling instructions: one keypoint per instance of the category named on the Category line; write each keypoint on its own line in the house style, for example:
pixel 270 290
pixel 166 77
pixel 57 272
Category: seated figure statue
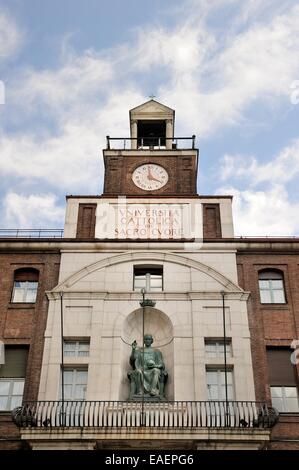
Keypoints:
pixel 148 376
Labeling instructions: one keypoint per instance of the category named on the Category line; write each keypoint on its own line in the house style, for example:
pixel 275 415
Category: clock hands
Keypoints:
pixel 151 177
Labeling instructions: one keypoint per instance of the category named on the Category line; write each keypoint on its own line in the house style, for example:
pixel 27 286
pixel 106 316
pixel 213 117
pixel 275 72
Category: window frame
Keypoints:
pixel 73 369
pixel 10 395
pixel 279 277
pixel 219 342
pixel 220 385
pixel 283 397
pixel 77 342
pixel 24 301
pixel 148 276
pixel 26 275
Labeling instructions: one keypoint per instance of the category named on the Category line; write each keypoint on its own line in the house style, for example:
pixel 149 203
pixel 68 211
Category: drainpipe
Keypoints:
pixel 62 358
pixel 225 359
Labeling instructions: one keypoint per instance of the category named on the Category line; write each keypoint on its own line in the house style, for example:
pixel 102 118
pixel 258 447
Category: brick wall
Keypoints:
pixel 211 221
pixel 86 222
pixel 272 325
pixel 181 169
pixel 24 324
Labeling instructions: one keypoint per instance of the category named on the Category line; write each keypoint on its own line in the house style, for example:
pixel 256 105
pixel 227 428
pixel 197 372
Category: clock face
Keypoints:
pixel 150 177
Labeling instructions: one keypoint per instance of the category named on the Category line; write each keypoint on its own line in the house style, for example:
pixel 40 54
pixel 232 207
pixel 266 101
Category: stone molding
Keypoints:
pixel 227 284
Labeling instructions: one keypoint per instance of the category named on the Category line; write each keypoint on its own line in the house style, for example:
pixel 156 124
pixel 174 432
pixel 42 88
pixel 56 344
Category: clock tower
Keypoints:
pixel 152 161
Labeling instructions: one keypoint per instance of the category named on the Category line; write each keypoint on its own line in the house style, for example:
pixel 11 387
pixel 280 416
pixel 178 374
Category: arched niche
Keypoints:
pixel 159 325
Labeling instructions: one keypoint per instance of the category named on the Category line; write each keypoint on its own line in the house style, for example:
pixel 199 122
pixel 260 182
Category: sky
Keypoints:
pixel 70 70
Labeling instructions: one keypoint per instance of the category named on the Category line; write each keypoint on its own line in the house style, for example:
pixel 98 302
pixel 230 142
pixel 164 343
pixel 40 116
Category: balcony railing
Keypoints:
pixel 31 233
pixel 151 143
pixel 119 414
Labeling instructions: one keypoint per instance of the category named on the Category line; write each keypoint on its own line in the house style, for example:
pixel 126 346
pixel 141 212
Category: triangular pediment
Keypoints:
pixel 152 107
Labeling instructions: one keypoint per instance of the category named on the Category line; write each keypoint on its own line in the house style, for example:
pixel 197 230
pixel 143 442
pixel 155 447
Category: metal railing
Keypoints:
pixel 31 233
pixel 120 414
pixel 152 143
pixel 275 237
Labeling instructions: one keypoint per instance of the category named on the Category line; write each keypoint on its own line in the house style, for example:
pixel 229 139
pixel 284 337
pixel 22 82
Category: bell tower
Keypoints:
pixel 152 161
pixel 152 125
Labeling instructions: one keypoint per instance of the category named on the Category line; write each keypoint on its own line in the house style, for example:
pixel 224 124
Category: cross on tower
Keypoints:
pixel 152 96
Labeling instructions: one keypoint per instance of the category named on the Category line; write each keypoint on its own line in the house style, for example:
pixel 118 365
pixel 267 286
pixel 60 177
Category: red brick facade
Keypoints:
pixel 25 323
pixel 182 171
pixel 272 325
pixel 211 221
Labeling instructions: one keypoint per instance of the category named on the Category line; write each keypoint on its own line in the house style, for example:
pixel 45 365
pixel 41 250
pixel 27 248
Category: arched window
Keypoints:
pixel 271 287
pixel 25 285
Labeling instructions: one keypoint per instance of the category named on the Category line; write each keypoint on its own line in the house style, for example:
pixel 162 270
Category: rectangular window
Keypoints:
pixel 216 384
pixel 76 348
pixel 149 278
pixel 282 379
pixel 24 291
pixel 75 383
pixel 11 393
pixel 215 348
pixel 285 399
pixel 272 291
pixel 12 377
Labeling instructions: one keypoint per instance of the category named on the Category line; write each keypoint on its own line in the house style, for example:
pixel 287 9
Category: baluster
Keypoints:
pixel 96 413
pixel 200 405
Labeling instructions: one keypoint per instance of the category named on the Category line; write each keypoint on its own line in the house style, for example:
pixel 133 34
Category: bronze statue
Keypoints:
pixel 148 376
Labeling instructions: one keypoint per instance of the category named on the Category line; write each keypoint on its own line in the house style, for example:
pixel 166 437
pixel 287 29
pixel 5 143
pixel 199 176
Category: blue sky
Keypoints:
pixel 71 71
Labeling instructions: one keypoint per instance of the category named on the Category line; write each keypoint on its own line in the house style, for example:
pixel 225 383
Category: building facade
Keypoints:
pixel 152 256
pixel 269 270
pixel 27 271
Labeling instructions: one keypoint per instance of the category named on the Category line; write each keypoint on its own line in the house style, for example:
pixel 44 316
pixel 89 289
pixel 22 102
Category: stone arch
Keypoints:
pixel 160 326
pixel 157 256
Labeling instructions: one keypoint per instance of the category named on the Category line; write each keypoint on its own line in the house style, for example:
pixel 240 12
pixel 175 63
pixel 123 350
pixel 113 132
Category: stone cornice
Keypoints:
pixel 158 296
pixel 50 245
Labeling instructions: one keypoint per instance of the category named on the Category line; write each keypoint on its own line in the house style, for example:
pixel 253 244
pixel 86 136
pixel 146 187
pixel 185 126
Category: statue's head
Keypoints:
pixel 148 340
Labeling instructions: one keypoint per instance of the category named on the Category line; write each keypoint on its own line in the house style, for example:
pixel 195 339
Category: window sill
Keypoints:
pixel 22 305
pixel 275 306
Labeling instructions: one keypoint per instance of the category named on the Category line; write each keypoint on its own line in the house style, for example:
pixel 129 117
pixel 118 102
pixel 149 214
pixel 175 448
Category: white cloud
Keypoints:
pixel 33 211
pixel 72 160
pixel 263 213
pixel 10 36
pixel 260 62
pixel 76 81
pixel 281 169
pixel 210 78
pixel 269 211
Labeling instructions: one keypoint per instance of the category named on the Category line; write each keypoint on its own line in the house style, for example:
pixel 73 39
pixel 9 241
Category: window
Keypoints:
pixel 285 399
pixel 216 384
pixel 25 285
pixel 282 379
pixel 12 377
pixel 149 278
pixel 11 393
pixel 76 348
pixel 271 287
pixel 75 384
pixel 215 348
